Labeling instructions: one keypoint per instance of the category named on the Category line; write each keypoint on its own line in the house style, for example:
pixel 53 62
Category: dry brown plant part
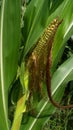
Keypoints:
pixel 39 63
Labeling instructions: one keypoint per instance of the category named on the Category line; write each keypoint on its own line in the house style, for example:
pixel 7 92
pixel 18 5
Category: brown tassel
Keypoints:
pixel 39 63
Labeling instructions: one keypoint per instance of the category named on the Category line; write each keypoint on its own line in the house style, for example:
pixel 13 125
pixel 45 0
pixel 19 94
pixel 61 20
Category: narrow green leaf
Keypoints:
pixel 9 45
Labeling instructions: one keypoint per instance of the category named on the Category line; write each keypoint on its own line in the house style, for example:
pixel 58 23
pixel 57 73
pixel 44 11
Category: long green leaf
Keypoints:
pixel 9 45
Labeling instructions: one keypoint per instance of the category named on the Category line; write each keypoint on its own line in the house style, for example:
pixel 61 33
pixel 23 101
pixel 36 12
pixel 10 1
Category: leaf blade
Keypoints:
pixel 8 36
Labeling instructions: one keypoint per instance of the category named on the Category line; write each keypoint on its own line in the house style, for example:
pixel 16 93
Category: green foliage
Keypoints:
pixel 9 46
pixel 34 23
pixel 14 81
pixel 62 119
pixel 58 121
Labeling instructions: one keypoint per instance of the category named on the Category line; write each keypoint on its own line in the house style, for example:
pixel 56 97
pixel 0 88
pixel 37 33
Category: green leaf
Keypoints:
pixel 54 5
pixel 59 80
pixel 34 22
pixel 9 46
pixel 64 32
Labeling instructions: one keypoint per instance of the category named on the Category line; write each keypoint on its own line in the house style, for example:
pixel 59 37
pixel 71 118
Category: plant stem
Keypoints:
pixel 21 107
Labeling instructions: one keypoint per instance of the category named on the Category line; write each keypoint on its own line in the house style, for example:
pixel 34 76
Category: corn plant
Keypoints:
pixel 22 109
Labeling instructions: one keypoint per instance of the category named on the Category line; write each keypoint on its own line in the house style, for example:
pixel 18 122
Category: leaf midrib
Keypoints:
pixel 2 70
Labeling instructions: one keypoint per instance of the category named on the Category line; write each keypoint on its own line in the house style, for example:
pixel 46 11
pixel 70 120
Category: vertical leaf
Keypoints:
pixel 9 45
